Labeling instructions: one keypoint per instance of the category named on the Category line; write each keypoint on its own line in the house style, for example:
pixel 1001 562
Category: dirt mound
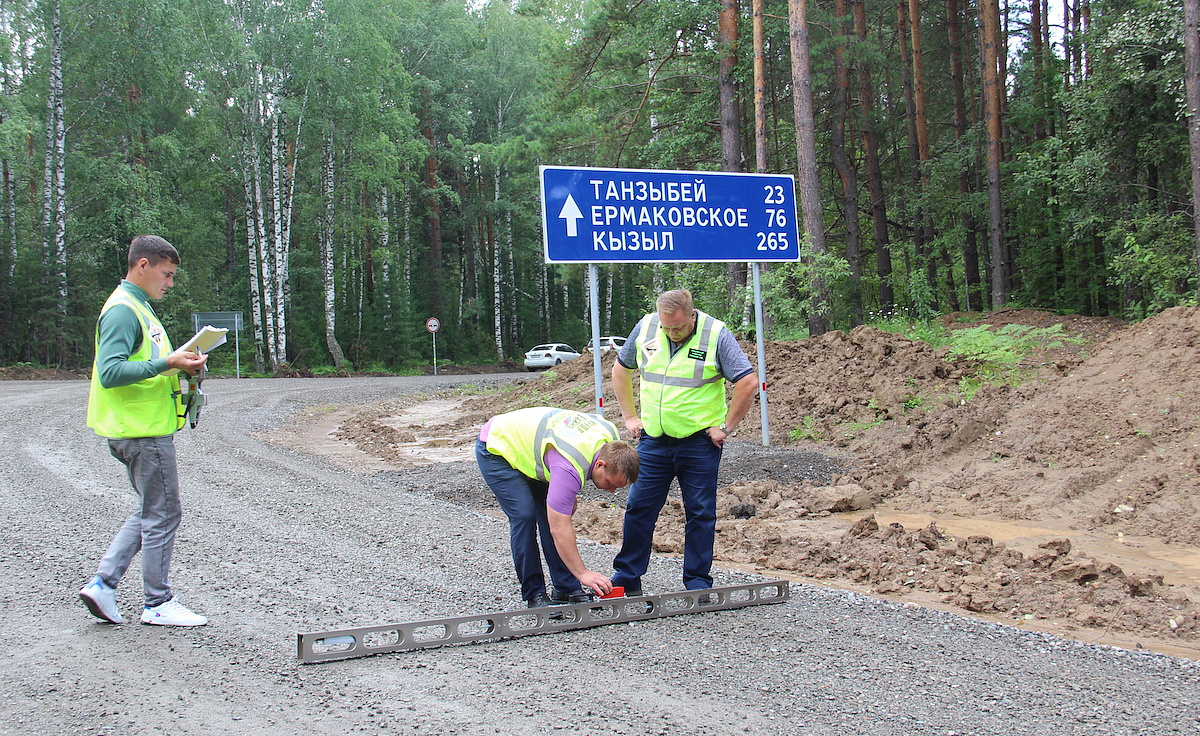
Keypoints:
pixel 29 373
pixel 1111 443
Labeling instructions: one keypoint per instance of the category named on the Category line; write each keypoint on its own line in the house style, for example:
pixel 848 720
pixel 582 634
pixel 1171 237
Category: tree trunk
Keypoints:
pixel 967 217
pixel 727 86
pixel 383 215
pixel 760 90
pixel 910 117
pixel 866 96
pixel 1191 59
pixel 252 238
pixel 921 124
pixel 808 182
pixel 760 123
pixel 279 247
pixel 731 129
pixel 1039 73
pixel 846 171
pixel 498 285
pixel 54 185
pixel 326 245
pixel 990 52
pixel 435 214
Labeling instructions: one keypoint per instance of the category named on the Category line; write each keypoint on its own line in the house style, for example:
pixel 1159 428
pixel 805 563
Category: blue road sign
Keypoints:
pixel 651 216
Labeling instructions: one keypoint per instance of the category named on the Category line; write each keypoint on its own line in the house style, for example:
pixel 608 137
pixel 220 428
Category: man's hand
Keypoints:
pixel 597 582
pixel 187 361
pixel 634 425
pixel 717 435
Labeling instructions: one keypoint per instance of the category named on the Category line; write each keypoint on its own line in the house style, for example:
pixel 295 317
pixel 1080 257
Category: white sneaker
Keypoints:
pixel 172 613
pixel 101 600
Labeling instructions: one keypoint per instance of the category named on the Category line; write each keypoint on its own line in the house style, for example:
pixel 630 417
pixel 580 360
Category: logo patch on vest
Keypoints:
pixel 697 354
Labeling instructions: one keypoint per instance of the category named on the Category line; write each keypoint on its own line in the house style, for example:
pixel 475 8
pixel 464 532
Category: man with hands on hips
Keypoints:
pixel 683 357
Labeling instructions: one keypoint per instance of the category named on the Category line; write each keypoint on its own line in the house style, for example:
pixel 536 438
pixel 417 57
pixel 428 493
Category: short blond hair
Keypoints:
pixel 621 458
pixel 674 301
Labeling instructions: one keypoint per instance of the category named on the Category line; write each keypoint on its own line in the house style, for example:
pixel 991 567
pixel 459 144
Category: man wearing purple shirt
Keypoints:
pixel 536 461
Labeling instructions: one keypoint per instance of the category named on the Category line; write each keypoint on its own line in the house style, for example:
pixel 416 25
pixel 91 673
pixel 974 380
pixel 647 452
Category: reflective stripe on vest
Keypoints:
pixel 148 408
pixel 522 437
pixel 683 393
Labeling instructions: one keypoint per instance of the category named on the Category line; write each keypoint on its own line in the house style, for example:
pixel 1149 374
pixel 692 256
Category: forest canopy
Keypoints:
pixel 342 170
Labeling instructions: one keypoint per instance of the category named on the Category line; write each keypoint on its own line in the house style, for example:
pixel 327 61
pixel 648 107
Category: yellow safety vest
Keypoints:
pixel 684 393
pixel 148 408
pixel 521 437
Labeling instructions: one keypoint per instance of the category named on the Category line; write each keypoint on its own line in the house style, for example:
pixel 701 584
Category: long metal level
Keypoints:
pixel 361 641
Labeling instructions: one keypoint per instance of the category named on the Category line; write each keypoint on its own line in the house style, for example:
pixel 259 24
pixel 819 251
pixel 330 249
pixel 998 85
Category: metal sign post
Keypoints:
pixel 594 298
pixel 228 320
pixel 592 215
pixel 432 325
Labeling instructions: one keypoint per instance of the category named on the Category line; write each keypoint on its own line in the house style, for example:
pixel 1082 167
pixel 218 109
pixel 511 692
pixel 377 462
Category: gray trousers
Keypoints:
pixel 151 529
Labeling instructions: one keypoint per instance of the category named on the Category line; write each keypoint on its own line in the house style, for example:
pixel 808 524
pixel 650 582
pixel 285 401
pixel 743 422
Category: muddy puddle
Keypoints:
pixel 425 434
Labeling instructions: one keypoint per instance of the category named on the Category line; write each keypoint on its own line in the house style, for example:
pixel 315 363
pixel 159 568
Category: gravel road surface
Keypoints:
pixel 274 542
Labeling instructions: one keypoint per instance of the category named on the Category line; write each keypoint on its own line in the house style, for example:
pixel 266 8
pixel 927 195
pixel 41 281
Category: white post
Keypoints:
pixel 762 357
pixel 593 297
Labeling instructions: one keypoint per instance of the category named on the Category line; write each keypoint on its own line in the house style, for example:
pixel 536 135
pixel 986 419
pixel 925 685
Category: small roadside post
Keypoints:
pixel 432 324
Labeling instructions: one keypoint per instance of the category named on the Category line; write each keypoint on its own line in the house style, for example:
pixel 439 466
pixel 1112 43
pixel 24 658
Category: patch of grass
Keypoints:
pixel 997 352
pixel 806 430
pixel 852 430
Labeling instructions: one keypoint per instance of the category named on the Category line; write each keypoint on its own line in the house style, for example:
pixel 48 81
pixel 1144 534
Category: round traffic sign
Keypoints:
pixel 432 324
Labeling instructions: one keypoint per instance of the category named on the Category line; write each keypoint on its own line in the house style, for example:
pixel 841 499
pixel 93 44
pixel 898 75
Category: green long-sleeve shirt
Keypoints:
pixel 119 334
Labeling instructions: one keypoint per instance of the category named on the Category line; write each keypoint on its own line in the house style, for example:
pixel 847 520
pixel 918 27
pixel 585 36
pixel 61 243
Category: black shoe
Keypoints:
pixel 539 600
pixel 633 592
pixel 558 596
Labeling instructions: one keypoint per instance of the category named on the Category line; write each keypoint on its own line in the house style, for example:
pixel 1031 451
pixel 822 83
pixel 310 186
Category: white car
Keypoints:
pixel 608 342
pixel 549 355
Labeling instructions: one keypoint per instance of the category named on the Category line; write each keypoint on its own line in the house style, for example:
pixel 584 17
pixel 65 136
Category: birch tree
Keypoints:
pixel 54 185
pixel 328 217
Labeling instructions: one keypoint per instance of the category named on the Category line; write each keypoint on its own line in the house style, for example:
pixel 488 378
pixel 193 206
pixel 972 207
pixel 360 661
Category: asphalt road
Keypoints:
pixel 274 542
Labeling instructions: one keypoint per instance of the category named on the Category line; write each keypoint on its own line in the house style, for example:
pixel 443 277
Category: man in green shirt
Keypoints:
pixel 134 402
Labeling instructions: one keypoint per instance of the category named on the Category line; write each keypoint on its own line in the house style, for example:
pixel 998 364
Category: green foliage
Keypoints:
pixel 898 322
pixel 1154 262
pixel 1006 346
pixel 438 114
pixel 787 287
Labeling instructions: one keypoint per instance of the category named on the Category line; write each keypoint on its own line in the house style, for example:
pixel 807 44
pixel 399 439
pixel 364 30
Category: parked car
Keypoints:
pixel 548 355
pixel 608 342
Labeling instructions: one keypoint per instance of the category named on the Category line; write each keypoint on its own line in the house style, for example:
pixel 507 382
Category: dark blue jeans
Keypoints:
pixel 523 500
pixel 694 461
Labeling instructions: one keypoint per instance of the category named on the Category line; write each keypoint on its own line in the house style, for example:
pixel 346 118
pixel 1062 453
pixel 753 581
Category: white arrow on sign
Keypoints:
pixel 570 212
